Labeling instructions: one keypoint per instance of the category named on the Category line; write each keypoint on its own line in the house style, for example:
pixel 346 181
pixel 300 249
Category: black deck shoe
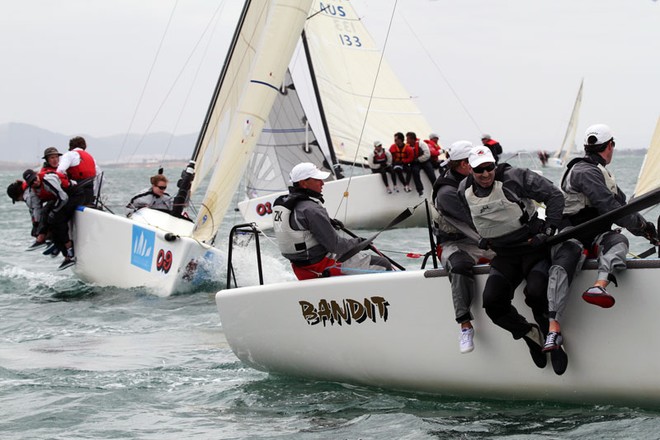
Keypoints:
pixel 559 360
pixel 68 262
pixel 37 245
pixel 534 341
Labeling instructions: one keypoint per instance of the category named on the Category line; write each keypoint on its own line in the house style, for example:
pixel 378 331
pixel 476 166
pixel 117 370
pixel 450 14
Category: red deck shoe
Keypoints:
pixel 598 296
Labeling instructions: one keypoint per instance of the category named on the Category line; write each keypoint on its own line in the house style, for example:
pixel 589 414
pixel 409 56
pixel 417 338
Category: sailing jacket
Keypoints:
pixel 56 185
pixel 591 190
pixel 147 199
pixel 505 212
pixel 379 161
pixel 421 151
pixel 434 149
pixel 447 203
pixel 303 229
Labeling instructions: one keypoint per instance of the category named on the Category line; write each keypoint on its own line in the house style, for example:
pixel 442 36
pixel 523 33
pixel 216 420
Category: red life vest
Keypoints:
pixel 85 169
pixel 45 195
pixel 434 148
pixel 403 155
pixel 415 149
pixel 380 158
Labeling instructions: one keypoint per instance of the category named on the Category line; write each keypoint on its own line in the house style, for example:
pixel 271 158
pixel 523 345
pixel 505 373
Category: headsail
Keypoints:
pixel 253 73
pixel 649 177
pixel 285 141
pixel 346 63
pixel 568 145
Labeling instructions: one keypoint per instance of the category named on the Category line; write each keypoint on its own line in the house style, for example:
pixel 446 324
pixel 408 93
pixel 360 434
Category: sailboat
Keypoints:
pixel 568 146
pixel 168 253
pixel 358 99
pixel 397 331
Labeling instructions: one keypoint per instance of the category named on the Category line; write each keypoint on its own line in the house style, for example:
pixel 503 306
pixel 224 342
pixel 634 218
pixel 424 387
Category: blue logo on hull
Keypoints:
pixel 142 248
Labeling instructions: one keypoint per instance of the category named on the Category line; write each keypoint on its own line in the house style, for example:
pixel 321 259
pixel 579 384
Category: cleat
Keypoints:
pixel 598 296
pixel 68 262
pixel 37 245
pixel 465 342
pixel 534 341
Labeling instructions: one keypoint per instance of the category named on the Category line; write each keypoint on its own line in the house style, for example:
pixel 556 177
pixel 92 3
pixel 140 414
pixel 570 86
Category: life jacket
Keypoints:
pixel 446 231
pixel 418 152
pixel 380 158
pixel 495 215
pixel 85 169
pixel 45 195
pixel 577 207
pixel 434 148
pixel 401 155
pixel 294 244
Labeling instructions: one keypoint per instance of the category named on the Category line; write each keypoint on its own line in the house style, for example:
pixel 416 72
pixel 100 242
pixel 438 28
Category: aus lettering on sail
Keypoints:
pixel 348 311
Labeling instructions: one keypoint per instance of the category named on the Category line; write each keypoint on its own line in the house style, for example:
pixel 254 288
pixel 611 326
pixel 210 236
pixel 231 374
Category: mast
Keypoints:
pixel 336 167
pixel 188 174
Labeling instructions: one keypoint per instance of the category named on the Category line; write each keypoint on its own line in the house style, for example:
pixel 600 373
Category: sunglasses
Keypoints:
pixel 162 187
pixel 480 170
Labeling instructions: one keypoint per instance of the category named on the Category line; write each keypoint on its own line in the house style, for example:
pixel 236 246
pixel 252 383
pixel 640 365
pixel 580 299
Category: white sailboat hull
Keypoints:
pixel 365 191
pixel 112 250
pixel 614 354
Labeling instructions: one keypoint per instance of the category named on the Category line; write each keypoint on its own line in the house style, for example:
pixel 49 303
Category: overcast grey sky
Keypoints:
pixel 507 67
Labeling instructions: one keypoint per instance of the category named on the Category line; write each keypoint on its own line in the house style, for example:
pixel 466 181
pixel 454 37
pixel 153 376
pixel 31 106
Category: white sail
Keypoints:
pixel 649 177
pixel 286 140
pixel 356 84
pixel 568 146
pixel 268 38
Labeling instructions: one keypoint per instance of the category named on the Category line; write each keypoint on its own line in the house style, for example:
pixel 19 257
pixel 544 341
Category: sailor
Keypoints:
pixel 435 149
pixel 306 234
pixel 81 167
pixel 402 157
pixel 458 253
pixel 66 198
pixel 19 191
pixel 493 145
pixel 591 190
pixel 153 197
pixel 380 161
pixel 421 162
pixel 501 203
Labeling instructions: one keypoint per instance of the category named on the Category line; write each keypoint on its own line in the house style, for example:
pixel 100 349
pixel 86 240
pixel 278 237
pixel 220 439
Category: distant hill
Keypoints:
pixel 25 143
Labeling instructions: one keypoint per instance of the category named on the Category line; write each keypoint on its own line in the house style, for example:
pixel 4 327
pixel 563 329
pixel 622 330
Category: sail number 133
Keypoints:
pixel 350 40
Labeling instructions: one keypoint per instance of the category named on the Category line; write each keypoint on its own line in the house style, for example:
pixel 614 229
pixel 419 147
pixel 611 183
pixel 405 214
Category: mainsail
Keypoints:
pixel 253 72
pixel 357 86
pixel 568 145
pixel 649 177
pixel 285 141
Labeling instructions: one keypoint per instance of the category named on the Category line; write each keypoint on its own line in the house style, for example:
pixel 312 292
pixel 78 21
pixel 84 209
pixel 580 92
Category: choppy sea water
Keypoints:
pixel 86 362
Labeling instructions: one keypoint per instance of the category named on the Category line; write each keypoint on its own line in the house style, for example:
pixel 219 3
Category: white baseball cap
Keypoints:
pixel 307 170
pixel 434 136
pixel 460 150
pixel 377 143
pixel 480 155
pixel 597 134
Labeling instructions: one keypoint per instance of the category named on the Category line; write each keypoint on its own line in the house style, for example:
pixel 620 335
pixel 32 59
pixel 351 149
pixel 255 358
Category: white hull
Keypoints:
pixel 112 250
pixel 613 353
pixel 365 191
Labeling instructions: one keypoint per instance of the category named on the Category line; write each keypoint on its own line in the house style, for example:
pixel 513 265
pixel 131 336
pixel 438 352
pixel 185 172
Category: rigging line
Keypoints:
pixel 428 54
pixel 215 17
pixel 364 123
pixel 146 82
pixel 176 80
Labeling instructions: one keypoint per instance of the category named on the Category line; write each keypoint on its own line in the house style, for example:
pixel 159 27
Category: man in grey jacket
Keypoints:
pixel 306 234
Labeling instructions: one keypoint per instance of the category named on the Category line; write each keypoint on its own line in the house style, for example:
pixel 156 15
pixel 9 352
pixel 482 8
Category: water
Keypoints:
pixel 84 362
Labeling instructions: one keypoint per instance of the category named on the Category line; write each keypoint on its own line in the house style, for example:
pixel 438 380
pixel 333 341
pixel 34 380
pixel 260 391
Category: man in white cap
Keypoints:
pixel 493 145
pixel 590 190
pixel 500 199
pixel 458 253
pixel 380 161
pixel 306 234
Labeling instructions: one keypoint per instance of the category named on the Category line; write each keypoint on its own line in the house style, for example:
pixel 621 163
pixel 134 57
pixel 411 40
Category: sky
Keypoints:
pixel 510 68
